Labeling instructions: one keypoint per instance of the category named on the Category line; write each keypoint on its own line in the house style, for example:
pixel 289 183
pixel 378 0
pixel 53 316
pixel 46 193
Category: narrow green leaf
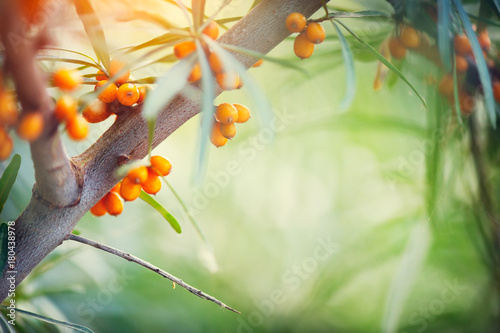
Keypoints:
pixel 94 30
pixel 485 20
pixel 455 92
pixel 5 327
pixel 444 40
pixel 75 327
pixel 482 68
pixel 350 70
pixel 198 12
pixel 71 51
pixel 167 39
pixel 67 60
pixel 8 179
pixel 3 245
pixel 153 18
pixel 223 21
pixel 359 14
pixel 156 205
pixel 255 3
pixel 386 62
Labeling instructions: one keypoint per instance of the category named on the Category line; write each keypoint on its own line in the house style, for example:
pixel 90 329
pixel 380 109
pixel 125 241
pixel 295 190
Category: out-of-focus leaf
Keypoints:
pixel 8 179
pixel 228 20
pixel 67 60
pixel 145 80
pixel 167 39
pixel 94 30
pixel 152 18
pixel 455 92
pixel 485 20
pixel 198 12
pixel 71 51
pixel 363 13
pixel 350 70
pixel 255 3
pixel 160 209
pixel 444 24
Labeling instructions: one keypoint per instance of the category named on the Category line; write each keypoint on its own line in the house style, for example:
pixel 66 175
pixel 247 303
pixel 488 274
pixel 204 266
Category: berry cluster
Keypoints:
pixel 8 118
pixel 309 34
pixel 409 38
pixel 224 128
pixel 129 189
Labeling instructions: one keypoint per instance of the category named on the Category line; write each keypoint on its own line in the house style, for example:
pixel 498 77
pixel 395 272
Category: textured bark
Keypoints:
pixel 44 225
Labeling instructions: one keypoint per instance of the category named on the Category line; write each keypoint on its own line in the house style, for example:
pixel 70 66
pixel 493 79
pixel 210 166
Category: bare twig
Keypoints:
pixel 151 267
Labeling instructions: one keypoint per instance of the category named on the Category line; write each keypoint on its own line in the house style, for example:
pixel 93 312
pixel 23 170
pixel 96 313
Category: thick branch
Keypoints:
pixel 41 228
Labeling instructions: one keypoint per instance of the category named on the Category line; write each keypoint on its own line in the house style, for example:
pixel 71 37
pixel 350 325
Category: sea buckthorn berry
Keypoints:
pixel 195 74
pixel 152 185
pixel 96 111
pixel 138 175
pixel 484 40
pixel 129 190
pixel 109 94
pixel 31 126
pixel 302 47
pixel 226 113
pixel 184 49
pixel 462 45
pixel 243 113
pixel 216 136
pixel 446 86
pixel 296 22
pixel 409 37
pixel 116 188
pixel 315 33
pixel 467 104
pixel 101 76
pixel 67 79
pixel 128 94
pixel 115 67
pixel 66 108
pixel 6 145
pixel 258 63
pixel 99 208
pixel 8 109
pixel 228 131
pixel 215 63
pixel 77 128
pixel 461 63
pixel 113 204
pixel 143 91
pixel 229 80
pixel 496 91
pixel 212 30
pixel 160 165
pixel 397 49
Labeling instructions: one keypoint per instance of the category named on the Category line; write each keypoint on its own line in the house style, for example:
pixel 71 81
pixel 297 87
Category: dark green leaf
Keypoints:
pixel 8 179
pixel 156 205
pixel 444 24
pixel 3 245
pixel 350 70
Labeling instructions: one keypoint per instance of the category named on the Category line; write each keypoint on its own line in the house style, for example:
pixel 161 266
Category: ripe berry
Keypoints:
pixel 229 80
pixel 101 76
pixel 216 136
pixel 243 113
pixel 462 45
pixel 116 188
pixel 99 208
pixel 446 86
pixel 409 37
pixel 8 109
pixel 143 91
pixel 6 145
pixel 115 67
pixel 258 63
pixel 113 204
pixel 66 108
pixel 96 111
pixel 226 113
pixel 160 165
pixel 302 47
pixel 67 79
pixel 296 22
pixel 152 185
pixel 31 126
pixel 496 91
pixel 397 49
pixel 77 128
pixel 195 74
pixel 211 30
pixel 484 40
pixel 228 131
pixel 184 49
pixel 129 190
pixel 138 175
pixel 108 95
pixel 128 94
pixel 215 63
pixel 315 33
pixel 461 63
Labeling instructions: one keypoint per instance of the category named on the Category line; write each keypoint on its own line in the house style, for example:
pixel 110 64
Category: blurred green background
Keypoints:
pixel 325 229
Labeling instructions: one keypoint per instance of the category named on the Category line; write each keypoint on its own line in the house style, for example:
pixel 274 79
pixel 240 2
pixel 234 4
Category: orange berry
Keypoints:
pixel 258 63
pixel 128 94
pixel 302 47
pixel 138 175
pixel 409 37
pixel 446 86
pixel 6 145
pixel 108 95
pixel 129 190
pixel 462 45
pixel 461 63
pixel 160 165
pixel 496 91
pixel 243 113
pixel 117 66
pixel 31 126
pixel 8 109
pixel 184 49
pixel 96 111
pixel 216 136
pixel 116 188
pixel 315 33
pixel 226 113
pixel 484 40
pixel 215 63
pixel 67 79
pixel 143 91
pixel 228 81
pixel 66 108
pixel 113 204
pixel 101 76
pixel 228 131
pixel 467 104
pixel 212 30
pixel 152 185
pixel 99 208
pixel 397 49
pixel 296 22
pixel 195 74
pixel 77 128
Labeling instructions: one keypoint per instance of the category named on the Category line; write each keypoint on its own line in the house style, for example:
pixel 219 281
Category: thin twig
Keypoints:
pixel 149 266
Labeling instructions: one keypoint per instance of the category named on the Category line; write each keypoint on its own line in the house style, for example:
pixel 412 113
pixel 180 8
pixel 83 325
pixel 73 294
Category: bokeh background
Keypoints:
pixel 326 228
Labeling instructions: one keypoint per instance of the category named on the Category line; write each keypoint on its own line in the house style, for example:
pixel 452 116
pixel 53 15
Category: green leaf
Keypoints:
pixel 153 18
pixel 94 30
pixel 71 51
pixel 359 14
pixel 444 24
pixel 386 62
pixel 156 205
pixel 223 21
pixel 8 179
pixel 75 327
pixel 455 92
pixel 3 245
pixel 167 39
pixel 350 70
pixel 198 12
pixel 67 60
